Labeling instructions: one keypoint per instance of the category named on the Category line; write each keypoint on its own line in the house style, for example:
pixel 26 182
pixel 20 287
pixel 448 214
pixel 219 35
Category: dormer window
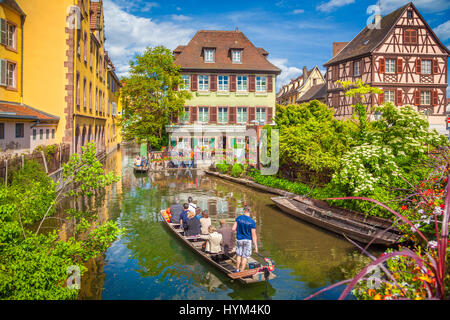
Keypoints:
pixel 209 55
pixel 236 56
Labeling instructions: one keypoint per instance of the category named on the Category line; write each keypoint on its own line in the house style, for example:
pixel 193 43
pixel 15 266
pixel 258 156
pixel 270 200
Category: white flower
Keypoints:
pixel 432 244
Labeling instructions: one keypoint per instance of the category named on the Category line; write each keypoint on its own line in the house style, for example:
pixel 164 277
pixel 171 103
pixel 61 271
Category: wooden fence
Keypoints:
pixel 50 162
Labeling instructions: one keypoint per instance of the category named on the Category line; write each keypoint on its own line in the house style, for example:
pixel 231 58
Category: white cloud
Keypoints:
pixel 333 5
pixel 298 11
pixel 443 31
pixel 287 73
pixel 148 6
pixel 128 35
pixel 180 17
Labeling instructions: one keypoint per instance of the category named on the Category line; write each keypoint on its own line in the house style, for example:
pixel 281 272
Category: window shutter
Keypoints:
pixel 435 98
pixel 232 115
pixel 418 66
pixel 3 67
pixel 399 65
pixel 233 83
pixel 3 32
pixel 381 98
pixel 435 66
pixel 381 65
pixel 213 115
pixel 251 114
pixel 399 97
pixel 269 83
pixel 417 97
pixel 193 117
pixel 251 83
pixel 269 115
pixel 194 82
pixel 213 86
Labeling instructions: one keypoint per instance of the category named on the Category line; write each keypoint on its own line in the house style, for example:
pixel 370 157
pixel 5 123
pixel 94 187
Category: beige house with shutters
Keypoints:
pixel 233 87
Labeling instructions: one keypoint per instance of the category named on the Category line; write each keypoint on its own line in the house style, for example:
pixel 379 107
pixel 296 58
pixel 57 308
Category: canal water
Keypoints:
pixel 149 263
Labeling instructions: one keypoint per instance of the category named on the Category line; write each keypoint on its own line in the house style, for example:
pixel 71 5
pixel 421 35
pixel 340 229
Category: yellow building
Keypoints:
pixel 65 67
pixel 113 137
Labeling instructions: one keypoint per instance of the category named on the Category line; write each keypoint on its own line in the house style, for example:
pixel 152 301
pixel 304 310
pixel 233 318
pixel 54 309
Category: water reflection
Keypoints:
pixel 148 262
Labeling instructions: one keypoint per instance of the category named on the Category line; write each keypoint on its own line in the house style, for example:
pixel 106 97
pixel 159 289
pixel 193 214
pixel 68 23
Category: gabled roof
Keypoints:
pixel 190 57
pixel 316 92
pixel 13 5
pixel 13 110
pixel 369 39
pixel 295 89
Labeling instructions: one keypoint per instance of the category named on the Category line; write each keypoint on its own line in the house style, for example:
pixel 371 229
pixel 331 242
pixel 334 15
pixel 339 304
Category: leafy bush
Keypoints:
pixel 279 183
pixel 237 170
pixel 223 167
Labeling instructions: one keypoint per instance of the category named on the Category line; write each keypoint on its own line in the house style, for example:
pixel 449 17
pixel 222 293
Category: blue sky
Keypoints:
pixel 295 33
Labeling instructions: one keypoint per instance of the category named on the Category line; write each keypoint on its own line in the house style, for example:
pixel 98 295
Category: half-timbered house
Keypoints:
pixel 399 54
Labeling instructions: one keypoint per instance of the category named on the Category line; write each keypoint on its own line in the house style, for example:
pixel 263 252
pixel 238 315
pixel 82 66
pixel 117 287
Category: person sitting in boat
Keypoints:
pixel 176 210
pixel 213 241
pixel 198 213
pixel 137 161
pixel 228 238
pixel 184 215
pixel 193 226
pixel 205 221
pixel 192 205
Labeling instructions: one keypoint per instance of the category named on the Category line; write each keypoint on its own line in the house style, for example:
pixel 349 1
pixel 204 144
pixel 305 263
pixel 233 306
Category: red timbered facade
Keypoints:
pixel 403 57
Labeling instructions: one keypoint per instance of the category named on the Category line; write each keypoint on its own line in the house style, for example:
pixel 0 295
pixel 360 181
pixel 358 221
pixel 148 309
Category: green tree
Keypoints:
pixel 150 96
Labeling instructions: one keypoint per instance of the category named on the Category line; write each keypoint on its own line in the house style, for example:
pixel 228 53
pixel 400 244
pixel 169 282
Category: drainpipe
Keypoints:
pixel 21 62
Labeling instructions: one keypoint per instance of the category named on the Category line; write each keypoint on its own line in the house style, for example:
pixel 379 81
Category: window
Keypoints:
pixel 34 134
pixel 47 134
pixel 53 133
pixel 11 75
pixel 203 115
pixel 90 96
pixel 390 66
pixel 41 134
pixel 20 130
pixel 410 14
pixel 236 56
pixel 389 96
pixel 357 68
pixel 185 116
pixel 242 83
pixel 78 91
pixel 186 82
pixel 425 97
pixel 7 34
pixel 222 116
pixel 426 66
pixel 84 93
pixel 261 84
pixel 410 36
pixel 209 55
pixel 242 115
pixel 223 84
pixel 261 115
pixel 2 131
pixel 203 83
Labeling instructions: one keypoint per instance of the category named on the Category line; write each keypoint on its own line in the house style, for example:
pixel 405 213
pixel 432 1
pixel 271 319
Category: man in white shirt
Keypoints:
pixel 192 205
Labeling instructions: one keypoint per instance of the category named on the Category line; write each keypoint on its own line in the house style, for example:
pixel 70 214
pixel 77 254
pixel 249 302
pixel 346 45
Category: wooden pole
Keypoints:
pixel 23 161
pixel 45 161
pixel 6 172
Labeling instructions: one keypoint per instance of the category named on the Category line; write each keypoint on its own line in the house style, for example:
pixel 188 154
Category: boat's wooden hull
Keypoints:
pixel 226 268
pixel 355 230
pixel 140 169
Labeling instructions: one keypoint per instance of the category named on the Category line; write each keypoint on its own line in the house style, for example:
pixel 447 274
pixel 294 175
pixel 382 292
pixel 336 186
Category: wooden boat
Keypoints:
pixel 141 169
pixel 224 263
pixel 345 222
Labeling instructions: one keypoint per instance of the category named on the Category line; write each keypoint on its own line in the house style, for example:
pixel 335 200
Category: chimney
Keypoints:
pixel 377 21
pixel 337 47
pixel 305 74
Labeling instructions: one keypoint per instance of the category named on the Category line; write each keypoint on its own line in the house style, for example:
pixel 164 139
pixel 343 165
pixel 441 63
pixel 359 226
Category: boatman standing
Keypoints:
pixel 245 228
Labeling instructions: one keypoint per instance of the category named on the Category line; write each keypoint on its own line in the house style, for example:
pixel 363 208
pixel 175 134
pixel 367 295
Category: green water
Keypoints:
pixel 149 263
